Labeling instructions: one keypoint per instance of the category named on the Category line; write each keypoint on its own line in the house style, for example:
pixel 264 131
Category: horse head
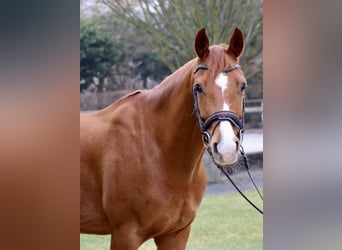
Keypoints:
pixel 219 89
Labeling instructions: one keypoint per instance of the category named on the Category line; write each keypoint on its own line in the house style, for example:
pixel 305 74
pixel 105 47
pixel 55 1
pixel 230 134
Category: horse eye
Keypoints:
pixel 243 86
pixel 198 88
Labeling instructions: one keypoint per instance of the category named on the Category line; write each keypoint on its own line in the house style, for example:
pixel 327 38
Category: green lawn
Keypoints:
pixel 222 222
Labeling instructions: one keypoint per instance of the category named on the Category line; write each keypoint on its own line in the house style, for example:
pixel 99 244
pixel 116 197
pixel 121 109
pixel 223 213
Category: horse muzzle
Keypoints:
pixel 224 144
pixel 224 141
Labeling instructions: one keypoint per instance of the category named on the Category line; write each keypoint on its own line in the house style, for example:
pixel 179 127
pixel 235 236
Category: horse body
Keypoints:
pixel 141 170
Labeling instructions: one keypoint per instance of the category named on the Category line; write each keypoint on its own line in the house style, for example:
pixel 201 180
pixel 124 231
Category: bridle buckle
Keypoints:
pixel 205 139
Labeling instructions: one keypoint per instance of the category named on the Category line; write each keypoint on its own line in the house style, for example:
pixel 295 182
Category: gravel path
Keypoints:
pixel 241 179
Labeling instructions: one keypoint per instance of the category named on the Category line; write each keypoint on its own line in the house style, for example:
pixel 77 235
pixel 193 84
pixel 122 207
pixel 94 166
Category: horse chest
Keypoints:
pixel 167 213
pixel 166 207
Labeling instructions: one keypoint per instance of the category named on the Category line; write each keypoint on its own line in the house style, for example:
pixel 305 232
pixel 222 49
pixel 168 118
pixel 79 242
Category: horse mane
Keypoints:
pixel 216 59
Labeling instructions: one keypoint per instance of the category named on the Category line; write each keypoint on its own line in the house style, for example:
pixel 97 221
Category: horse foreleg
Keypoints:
pixel 175 241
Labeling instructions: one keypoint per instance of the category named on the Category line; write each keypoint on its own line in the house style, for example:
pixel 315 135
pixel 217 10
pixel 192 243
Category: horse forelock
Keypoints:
pixel 218 58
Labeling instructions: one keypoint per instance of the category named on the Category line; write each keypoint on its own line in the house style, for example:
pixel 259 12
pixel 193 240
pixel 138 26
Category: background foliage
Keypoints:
pixel 152 38
pixel 98 52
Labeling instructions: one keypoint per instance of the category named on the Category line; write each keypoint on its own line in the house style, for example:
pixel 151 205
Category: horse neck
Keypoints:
pixel 178 132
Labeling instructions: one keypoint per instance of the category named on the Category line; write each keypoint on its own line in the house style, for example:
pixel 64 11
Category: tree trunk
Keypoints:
pixel 100 88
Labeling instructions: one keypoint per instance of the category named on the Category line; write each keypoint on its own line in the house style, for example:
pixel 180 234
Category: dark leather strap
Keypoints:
pixel 219 115
pixel 201 66
pixel 223 116
pixel 196 111
pixel 227 70
pixel 206 67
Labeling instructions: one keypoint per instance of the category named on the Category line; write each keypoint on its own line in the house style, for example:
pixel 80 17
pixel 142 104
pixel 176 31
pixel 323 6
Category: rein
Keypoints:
pixel 218 117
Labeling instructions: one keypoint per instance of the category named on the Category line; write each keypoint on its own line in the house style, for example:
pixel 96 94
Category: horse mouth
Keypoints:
pixel 225 164
pixel 224 156
pixel 222 161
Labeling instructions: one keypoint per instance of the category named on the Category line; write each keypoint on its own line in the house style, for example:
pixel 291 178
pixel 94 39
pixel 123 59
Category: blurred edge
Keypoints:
pixel 39 125
pixel 39 152
pixel 302 125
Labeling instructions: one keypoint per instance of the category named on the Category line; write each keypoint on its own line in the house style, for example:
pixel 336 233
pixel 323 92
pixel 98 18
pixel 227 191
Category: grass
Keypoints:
pixel 222 222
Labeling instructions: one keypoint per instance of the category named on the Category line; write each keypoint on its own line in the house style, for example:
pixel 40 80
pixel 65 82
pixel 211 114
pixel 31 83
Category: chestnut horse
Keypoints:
pixel 141 170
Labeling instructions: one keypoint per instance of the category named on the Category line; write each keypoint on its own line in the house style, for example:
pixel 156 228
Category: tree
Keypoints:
pixel 168 26
pixel 101 35
pixel 149 66
pixel 139 63
pixel 98 52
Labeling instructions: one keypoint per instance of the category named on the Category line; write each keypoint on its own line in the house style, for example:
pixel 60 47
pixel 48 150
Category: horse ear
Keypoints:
pixel 236 43
pixel 202 43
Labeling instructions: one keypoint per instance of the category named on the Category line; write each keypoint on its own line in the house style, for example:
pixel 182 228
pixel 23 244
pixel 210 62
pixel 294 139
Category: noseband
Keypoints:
pixel 218 116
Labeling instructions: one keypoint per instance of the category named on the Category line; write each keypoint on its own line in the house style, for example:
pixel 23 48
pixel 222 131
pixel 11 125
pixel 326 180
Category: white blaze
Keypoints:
pixel 227 145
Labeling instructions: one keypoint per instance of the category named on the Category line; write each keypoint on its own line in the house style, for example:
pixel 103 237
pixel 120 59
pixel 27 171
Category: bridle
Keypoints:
pixel 218 117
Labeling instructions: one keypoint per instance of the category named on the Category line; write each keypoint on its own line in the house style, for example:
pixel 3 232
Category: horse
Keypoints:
pixel 141 173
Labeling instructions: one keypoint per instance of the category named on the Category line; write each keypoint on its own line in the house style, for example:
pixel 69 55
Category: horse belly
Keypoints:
pixel 149 212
